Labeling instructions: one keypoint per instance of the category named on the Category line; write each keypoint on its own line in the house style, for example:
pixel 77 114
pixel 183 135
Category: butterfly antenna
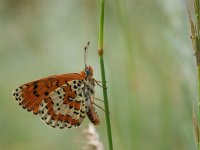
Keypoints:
pixel 85 54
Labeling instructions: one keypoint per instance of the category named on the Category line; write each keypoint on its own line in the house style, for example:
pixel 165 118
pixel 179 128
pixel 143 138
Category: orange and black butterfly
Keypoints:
pixel 61 101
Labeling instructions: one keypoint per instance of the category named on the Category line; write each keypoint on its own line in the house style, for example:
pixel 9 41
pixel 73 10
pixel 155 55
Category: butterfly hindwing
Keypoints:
pixel 65 106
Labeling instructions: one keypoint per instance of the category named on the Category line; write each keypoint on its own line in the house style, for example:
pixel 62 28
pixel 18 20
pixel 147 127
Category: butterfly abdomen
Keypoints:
pixel 92 115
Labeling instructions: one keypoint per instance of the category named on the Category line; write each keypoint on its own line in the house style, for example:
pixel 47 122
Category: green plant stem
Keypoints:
pixel 197 15
pixel 196 5
pixel 105 95
pixel 198 116
pixel 109 132
pixel 198 67
pixel 101 25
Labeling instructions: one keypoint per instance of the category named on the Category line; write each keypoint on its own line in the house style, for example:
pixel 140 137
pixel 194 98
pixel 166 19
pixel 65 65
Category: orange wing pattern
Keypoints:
pixel 30 95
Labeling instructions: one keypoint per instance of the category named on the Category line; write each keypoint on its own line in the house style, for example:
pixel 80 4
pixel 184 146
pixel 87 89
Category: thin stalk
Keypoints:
pixel 197 13
pixel 101 26
pixel 198 69
pixel 199 98
pixel 195 30
pixel 105 95
pixel 100 52
pixel 196 5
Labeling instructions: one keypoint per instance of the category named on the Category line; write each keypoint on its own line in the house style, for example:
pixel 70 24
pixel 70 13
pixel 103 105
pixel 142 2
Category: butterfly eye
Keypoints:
pixel 87 71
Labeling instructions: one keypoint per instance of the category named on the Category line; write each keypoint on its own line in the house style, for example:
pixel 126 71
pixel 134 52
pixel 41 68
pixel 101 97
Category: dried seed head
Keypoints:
pixel 93 140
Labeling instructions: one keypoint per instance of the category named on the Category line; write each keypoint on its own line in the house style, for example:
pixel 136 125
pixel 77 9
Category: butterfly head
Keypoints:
pixel 88 71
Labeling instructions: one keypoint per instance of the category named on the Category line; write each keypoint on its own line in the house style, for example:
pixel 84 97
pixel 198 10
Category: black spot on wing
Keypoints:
pixel 46 93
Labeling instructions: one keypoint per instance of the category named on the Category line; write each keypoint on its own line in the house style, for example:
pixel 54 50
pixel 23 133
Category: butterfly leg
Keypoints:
pixel 100 107
pixel 97 106
pixel 99 99
pixel 98 83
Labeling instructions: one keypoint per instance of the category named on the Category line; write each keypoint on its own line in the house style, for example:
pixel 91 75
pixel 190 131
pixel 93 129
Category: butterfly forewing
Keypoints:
pixel 30 95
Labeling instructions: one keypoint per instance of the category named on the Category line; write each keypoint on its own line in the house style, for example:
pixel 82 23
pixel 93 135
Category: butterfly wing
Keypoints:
pixel 61 100
pixel 30 95
pixel 65 106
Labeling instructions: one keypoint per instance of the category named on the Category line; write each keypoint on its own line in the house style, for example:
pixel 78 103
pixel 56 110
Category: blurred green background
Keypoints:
pixel 150 68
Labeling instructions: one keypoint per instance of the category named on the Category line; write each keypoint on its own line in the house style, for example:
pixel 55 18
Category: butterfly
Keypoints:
pixel 62 101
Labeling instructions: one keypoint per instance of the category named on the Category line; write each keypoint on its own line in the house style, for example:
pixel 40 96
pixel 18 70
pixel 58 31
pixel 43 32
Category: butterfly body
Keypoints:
pixel 61 101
